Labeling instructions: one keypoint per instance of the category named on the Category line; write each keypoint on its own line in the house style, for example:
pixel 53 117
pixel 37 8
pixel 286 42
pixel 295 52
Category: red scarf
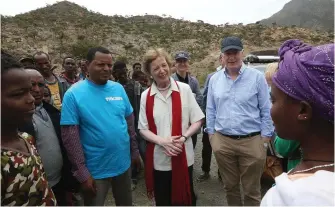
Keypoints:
pixel 181 190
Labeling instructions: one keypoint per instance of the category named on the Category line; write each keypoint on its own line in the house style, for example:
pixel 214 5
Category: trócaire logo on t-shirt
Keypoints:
pixel 113 98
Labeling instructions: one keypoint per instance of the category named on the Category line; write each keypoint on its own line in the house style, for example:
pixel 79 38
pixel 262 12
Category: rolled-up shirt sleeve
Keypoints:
pixel 71 141
pixel 210 109
pixel 71 137
pixel 264 104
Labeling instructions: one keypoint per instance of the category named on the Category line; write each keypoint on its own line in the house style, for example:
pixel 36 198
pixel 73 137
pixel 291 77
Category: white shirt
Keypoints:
pixel 191 113
pixel 314 190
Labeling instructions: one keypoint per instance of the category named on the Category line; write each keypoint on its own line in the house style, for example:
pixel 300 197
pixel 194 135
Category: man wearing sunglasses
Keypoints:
pixel 45 128
pixel 182 74
pixel 137 67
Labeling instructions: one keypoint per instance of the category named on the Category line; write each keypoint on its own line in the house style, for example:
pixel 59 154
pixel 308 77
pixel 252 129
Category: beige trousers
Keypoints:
pixel 240 161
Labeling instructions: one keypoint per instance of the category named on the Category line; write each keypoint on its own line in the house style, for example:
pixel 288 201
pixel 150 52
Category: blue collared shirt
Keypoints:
pixel 239 107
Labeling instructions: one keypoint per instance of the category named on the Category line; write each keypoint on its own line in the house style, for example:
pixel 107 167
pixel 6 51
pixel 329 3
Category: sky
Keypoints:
pixel 210 11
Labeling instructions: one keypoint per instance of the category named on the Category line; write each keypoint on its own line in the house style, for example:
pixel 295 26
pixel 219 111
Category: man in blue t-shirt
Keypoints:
pixel 99 134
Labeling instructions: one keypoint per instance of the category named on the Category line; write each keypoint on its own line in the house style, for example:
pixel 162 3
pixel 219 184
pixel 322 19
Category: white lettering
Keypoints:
pixel 113 98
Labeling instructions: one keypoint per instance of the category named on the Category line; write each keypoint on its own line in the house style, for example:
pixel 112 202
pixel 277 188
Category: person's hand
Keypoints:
pixel 89 188
pixel 266 139
pixel 179 142
pixel 136 162
pixel 210 136
pixel 171 148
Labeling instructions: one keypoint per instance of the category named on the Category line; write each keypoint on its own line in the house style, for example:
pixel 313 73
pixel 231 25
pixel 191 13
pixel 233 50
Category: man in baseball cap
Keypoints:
pixel 239 124
pixel 182 74
pixel 27 62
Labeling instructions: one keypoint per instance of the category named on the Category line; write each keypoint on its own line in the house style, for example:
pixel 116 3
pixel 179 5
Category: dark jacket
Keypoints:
pixel 63 85
pixel 134 91
pixel 69 182
pixel 194 85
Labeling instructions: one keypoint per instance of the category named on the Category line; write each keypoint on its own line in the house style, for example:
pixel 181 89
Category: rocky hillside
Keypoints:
pixel 65 28
pixel 315 14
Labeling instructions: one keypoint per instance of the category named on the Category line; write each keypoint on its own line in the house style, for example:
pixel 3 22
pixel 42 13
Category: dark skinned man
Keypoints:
pixel 99 134
pixel 134 91
pixel 57 86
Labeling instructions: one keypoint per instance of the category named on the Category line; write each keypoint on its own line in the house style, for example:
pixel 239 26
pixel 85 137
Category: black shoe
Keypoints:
pixel 204 176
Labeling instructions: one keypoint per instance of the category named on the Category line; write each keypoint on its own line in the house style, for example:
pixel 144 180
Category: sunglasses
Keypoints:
pixel 181 60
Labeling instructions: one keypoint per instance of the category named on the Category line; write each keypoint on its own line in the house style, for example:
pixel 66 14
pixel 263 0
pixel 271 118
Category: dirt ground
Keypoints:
pixel 209 192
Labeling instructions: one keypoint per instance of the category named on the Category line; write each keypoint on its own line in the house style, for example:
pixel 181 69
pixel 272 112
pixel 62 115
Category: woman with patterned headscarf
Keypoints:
pixel 303 110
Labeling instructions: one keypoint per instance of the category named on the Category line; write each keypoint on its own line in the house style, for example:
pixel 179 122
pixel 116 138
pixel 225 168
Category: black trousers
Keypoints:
pixel 60 194
pixel 194 140
pixel 206 153
pixel 141 147
pixel 163 187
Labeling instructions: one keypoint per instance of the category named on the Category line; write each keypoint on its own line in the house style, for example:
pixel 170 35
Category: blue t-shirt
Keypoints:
pixel 100 111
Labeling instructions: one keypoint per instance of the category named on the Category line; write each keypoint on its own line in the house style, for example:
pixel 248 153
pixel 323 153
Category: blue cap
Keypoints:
pixel 182 55
pixel 231 43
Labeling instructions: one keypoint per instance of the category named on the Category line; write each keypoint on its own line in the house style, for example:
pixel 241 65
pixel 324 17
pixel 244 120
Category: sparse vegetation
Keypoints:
pixel 65 28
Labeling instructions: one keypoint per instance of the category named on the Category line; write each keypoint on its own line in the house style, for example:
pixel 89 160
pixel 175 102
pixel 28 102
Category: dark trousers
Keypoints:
pixel 141 147
pixel 206 153
pixel 121 188
pixel 60 194
pixel 194 140
pixel 163 187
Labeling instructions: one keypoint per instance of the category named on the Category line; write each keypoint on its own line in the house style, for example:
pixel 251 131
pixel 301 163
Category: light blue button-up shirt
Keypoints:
pixel 239 107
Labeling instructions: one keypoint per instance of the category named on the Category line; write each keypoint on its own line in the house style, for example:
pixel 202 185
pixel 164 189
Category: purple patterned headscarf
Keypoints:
pixel 306 73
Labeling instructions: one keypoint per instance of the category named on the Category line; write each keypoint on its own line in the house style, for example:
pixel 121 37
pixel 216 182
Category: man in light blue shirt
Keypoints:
pixel 239 124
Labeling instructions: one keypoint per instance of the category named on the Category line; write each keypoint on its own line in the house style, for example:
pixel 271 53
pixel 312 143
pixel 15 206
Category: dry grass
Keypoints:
pixel 66 28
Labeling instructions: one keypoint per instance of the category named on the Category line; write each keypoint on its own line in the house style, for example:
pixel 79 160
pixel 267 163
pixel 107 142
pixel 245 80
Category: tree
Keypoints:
pixel 81 47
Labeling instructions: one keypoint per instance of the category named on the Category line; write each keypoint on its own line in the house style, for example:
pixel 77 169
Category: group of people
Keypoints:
pixel 68 138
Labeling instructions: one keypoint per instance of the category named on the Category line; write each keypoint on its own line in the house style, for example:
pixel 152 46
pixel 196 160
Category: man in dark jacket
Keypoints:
pixel 45 128
pixel 182 75
pixel 134 91
pixel 206 146
pixel 69 75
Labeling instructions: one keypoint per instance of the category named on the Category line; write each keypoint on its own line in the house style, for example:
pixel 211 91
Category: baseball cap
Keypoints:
pixel 229 43
pixel 26 59
pixel 182 55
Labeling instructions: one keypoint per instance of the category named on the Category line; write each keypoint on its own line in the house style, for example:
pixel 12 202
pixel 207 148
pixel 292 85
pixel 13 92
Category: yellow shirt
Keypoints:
pixel 55 95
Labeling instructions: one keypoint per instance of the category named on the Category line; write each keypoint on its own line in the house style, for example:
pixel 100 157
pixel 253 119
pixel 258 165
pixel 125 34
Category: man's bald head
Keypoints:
pixel 33 73
pixel 38 84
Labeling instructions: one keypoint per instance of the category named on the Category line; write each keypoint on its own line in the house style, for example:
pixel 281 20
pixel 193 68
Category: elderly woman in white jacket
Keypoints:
pixel 169 115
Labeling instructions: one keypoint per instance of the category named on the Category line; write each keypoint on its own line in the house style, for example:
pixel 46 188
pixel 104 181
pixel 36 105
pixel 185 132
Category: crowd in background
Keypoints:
pixel 67 138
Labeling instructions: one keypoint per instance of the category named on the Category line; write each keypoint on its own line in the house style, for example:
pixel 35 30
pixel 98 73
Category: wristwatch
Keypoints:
pixel 184 137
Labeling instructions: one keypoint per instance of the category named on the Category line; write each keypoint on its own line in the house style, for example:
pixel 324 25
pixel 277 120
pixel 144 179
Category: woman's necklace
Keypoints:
pixel 164 89
pixel 309 169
